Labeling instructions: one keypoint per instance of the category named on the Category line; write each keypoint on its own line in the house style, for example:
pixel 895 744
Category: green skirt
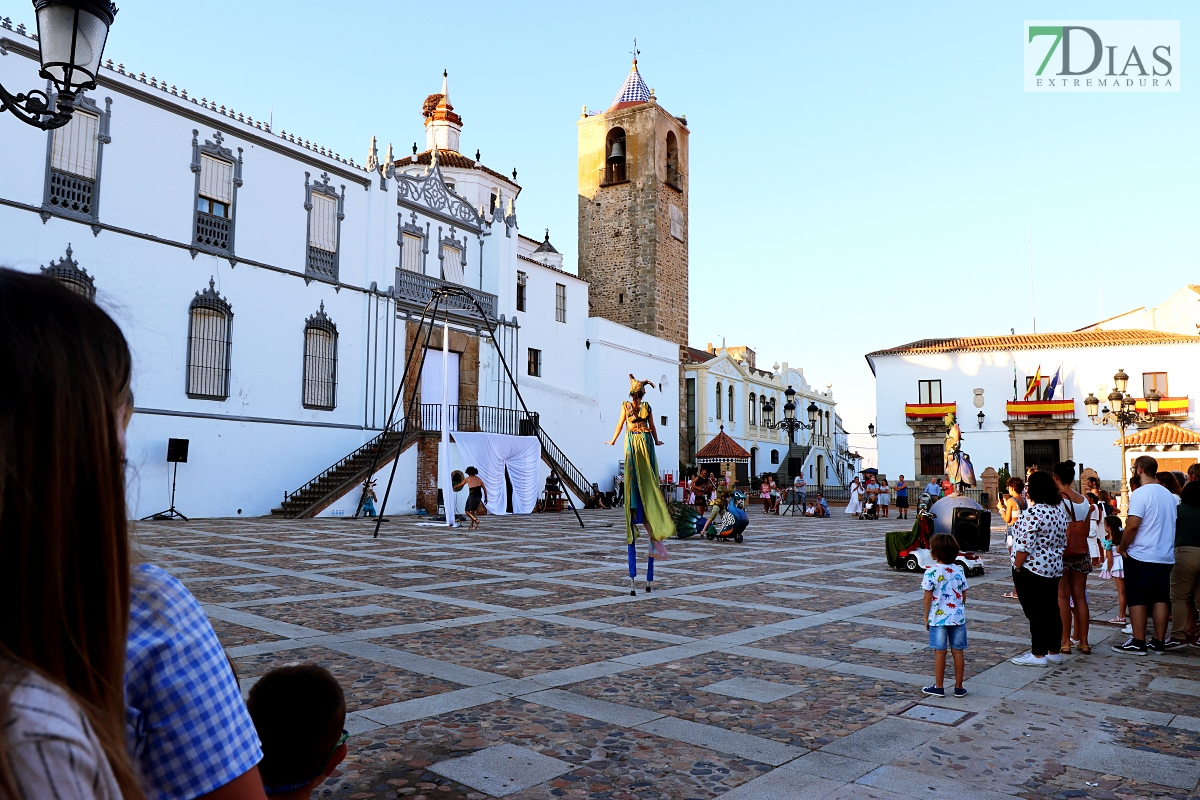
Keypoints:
pixel 644 504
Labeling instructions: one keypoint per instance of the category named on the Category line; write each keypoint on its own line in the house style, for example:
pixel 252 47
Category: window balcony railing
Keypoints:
pixel 674 178
pixel 1041 409
pixel 929 410
pixel 418 288
pixel 612 174
pixel 1168 407
pixel 71 192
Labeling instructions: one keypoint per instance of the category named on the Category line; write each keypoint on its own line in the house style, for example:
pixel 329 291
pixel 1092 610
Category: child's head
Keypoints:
pixel 298 711
pixel 944 548
pixel 1112 524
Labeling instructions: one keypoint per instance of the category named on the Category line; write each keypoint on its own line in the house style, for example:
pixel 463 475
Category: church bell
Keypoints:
pixel 618 151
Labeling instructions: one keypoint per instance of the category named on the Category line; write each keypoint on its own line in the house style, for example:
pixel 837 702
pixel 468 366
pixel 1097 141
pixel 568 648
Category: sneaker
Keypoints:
pixel 1030 660
pixel 1054 658
pixel 1131 647
pixel 960 692
pixel 1173 644
pixel 1128 629
pixel 935 691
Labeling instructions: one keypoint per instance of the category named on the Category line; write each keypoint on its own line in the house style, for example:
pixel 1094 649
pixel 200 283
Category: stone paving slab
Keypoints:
pixel 1179 773
pixel 738 744
pixel 885 740
pixel 917 784
pixel 784 785
pixel 502 770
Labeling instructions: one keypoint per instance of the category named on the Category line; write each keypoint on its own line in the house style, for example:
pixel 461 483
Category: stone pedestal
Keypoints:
pixel 989 483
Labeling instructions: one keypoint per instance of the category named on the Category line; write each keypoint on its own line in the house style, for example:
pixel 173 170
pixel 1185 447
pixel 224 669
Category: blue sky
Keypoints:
pixel 862 174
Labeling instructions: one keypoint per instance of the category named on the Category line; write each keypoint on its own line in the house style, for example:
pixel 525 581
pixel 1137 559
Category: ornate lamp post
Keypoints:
pixel 1121 413
pixel 71 37
pixel 789 422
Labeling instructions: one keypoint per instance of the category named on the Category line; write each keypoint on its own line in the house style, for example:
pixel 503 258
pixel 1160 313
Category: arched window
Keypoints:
pixel 731 402
pixel 674 177
pixel 753 399
pixel 67 271
pixel 774 456
pixel 615 156
pixel 718 399
pixel 320 361
pixel 210 331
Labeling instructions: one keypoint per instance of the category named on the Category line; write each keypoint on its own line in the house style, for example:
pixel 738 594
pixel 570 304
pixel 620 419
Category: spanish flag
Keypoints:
pixel 1034 384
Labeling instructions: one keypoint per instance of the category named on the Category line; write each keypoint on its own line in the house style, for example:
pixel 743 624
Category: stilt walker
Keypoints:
pixel 644 504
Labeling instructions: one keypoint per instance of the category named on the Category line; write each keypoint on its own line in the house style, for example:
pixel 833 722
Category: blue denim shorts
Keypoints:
pixel 955 635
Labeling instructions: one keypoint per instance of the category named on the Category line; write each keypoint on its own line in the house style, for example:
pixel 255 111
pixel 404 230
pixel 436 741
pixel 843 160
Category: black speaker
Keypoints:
pixel 177 451
pixel 972 528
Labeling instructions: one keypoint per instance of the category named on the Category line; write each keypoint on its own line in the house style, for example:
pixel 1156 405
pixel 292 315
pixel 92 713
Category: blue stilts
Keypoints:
pixel 649 573
pixel 632 570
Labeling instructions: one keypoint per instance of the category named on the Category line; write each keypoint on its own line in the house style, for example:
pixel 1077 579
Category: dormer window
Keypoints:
pixel 615 157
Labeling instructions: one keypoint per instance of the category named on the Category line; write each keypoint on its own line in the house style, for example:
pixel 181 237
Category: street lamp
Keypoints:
pixel 1121 413
pixel 871 429
pixel 980 417
pixel 71 37
pixel 789 422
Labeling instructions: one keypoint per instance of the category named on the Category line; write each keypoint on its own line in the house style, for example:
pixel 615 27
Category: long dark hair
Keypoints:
pixel 64 547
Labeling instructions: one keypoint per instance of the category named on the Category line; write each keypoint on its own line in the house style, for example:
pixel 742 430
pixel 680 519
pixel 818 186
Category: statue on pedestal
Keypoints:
pixel 958 464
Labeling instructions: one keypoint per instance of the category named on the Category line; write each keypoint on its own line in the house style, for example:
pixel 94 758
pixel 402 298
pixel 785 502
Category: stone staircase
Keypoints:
pixel 347 474
pixel 784 476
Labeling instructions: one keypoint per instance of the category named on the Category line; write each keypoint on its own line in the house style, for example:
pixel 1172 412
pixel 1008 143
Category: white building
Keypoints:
pixel 984 380
pixel 270 291
pixel 725 390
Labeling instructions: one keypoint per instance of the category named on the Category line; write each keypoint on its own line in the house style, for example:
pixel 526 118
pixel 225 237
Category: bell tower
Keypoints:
pixel 633 212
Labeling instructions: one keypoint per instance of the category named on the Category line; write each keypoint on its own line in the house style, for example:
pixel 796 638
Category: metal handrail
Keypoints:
pixel 366 448
pixel 418 288
pixel 570 474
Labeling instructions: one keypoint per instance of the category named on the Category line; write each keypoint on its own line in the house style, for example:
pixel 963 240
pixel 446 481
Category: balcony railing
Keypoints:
pixel 1041 409
pixel 418 288
pixel 674 178
pixel 484 419
pixel 1168 407
pixel 614 173
pixel 929 410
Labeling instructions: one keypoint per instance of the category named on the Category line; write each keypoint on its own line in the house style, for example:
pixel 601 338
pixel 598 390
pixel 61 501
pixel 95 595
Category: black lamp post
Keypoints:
pixel 980 416
pixel 789 422
pixel 1121 413
pixel 71 37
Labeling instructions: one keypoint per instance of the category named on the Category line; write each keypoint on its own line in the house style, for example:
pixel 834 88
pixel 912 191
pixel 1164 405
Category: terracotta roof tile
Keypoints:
pixel 1039 341
pixel 449 158
pixel 1166 433
pixel 722 448
pixel 695 356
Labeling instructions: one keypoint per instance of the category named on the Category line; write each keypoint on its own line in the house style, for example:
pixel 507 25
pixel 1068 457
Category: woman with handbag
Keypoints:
pixel 1038 541
pixel 1077 560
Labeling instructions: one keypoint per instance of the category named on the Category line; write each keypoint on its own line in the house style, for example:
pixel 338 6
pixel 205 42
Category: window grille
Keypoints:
pixel 73 163
pixel 718 399
pixel 929 392
pixel 320 362
pixel 210 327
pixel 67 271
pixel 218 176
pixel 522 281
pixel 560 302
pixel 775 458
pixel 325 213
pixel 535 363
pixel 410 252
pixel 731 402
pixel 752 418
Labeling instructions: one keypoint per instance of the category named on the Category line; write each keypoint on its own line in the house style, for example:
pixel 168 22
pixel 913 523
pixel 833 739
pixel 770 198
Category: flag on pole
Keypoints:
pixel 1034 384
pixel 1053 385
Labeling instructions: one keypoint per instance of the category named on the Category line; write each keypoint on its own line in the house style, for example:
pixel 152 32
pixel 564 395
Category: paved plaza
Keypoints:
pixel 512 662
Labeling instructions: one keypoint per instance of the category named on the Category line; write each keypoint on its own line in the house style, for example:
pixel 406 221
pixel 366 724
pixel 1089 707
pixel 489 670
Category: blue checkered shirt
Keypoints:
pixel 185 721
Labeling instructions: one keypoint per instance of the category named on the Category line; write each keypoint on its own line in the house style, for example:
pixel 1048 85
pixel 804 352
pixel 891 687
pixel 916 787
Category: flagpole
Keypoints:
pixel 1032 295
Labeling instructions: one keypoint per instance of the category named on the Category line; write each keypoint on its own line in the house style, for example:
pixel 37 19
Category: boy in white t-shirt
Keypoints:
pixel 1148 548
pixel 945 588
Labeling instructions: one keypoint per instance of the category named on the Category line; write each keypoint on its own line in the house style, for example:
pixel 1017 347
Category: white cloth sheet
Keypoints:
pixel 491 453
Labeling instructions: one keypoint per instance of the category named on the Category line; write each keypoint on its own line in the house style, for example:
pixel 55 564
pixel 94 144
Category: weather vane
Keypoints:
pixel 635 50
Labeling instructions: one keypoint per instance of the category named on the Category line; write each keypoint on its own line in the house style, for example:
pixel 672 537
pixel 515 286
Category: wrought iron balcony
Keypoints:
pixel 418 288
pixel 1040 409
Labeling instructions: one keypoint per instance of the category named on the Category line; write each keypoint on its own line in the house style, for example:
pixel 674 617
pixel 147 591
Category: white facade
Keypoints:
pixel 137 238
pixel 983 374
pixel 743 387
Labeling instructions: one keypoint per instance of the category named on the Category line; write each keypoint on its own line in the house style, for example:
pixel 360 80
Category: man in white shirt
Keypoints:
pixel 798 493
pixel 1148 548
